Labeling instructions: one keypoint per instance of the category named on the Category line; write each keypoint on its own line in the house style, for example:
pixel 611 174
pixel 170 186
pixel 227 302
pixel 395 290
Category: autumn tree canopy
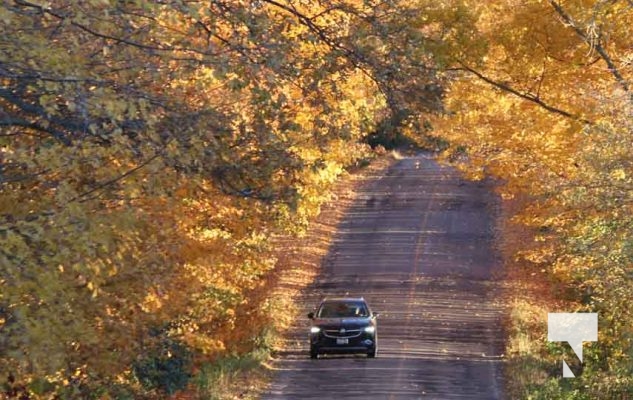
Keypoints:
pixel 547 107
pixel 149 151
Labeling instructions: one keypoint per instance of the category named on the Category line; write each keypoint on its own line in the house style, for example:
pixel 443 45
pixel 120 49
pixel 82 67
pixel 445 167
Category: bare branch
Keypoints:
pixel 112 181
pixel 526 96
pixel 105 36
pixel 353 57
pixel 11 121
pixel 594 44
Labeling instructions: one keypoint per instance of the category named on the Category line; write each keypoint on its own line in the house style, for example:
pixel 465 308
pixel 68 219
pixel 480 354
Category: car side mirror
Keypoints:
pixel 310 315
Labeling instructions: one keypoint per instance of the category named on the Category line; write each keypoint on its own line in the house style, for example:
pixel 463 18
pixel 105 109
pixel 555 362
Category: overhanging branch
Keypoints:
pixel 594 44
pixel 525 96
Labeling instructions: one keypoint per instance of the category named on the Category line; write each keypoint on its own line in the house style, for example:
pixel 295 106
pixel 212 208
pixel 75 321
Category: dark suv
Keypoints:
pixel 343 325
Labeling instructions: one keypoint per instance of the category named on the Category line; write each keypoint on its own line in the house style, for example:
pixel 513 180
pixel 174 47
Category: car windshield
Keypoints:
pixel 342 309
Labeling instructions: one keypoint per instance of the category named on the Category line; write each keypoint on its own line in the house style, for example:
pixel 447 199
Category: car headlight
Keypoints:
pixel 370 329
pixel 315 329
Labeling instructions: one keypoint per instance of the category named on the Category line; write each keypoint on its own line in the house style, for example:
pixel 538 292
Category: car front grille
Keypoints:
pixel 342 333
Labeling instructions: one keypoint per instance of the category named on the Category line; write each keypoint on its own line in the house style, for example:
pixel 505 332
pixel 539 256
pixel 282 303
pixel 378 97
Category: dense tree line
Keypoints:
pixel 149 151
pixel 547 107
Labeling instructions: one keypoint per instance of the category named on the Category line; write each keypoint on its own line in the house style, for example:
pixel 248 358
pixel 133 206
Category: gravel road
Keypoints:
pixel 418 243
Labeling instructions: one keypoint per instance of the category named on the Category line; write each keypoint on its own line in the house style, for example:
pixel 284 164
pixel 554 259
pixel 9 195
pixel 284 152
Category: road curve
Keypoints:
pixel 417 243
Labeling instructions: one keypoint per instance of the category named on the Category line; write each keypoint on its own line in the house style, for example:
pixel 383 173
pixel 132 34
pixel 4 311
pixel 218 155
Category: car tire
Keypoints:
pixel 314 353
pixel 372 353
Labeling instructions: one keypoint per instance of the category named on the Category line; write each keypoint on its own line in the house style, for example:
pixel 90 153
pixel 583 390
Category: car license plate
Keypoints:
pixel 342 340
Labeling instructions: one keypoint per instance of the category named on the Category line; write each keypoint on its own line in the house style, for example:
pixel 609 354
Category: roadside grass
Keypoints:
pixel 217 380
pixel 231 377
pixel 525 365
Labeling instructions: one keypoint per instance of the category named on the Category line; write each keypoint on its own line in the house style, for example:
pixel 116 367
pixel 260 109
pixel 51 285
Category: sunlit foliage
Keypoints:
pixel 547 108
pixel 150 150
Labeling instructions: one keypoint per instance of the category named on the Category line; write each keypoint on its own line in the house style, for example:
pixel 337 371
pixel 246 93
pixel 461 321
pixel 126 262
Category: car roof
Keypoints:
pixel 343 299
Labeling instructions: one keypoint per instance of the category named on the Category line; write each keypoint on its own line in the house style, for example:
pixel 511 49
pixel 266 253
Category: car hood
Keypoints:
pixel 342 321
